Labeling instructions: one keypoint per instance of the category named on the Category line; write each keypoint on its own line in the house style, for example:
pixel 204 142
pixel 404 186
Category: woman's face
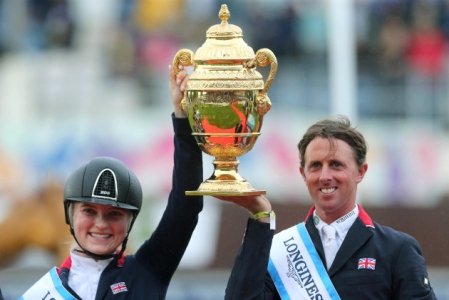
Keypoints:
pixel 99 229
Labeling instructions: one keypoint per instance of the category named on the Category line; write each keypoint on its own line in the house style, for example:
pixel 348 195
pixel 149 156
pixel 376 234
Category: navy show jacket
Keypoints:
pixel 400 270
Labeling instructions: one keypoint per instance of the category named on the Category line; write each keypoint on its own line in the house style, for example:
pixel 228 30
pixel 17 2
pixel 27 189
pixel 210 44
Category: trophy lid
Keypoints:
pixel 224 41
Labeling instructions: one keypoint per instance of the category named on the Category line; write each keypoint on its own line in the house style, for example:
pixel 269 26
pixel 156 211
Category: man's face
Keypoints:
pixel 331 175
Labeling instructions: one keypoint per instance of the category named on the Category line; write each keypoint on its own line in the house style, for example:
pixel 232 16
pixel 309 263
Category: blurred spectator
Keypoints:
pixel 393 40
pixel 154 23
pixel 427 48
pixel 122 49
pixel 50 24
pixel 144 41
pixel 312 28
pixel 275 31
pixel 391 64
pixel 405 76
pixel 426 57
pixel 59 25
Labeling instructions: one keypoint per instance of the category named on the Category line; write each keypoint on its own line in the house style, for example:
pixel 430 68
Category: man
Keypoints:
pixel 362 259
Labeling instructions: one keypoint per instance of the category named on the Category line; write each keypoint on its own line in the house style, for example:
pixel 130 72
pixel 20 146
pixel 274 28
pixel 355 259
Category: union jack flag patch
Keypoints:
pixel 367 263
pixel 118 288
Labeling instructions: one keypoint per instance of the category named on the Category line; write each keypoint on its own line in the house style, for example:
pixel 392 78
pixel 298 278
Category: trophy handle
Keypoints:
pixel 263 58
pixel 183 57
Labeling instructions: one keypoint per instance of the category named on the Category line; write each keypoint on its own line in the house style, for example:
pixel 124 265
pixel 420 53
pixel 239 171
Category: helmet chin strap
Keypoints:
pixel 100 256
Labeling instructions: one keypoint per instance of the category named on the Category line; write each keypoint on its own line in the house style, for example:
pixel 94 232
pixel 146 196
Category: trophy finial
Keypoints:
pixel 224 13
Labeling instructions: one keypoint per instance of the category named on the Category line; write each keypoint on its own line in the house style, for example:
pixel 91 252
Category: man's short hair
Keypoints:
pixel 335 128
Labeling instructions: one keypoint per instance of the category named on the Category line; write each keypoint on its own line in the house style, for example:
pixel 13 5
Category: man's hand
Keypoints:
pixel 253 204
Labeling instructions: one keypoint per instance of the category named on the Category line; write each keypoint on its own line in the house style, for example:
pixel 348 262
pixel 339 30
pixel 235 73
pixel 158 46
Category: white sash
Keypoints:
pixel 49 287
pixel 296 267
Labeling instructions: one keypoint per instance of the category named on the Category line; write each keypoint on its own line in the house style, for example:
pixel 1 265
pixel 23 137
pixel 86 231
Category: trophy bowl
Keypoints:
pixel 225 101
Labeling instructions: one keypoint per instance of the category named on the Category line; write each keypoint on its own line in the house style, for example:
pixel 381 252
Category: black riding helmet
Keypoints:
pixel 105 181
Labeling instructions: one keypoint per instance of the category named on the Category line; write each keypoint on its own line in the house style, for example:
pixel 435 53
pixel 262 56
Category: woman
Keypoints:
pixel 102 199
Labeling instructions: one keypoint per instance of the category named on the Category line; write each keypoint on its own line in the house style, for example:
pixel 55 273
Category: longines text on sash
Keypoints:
pixel 302 269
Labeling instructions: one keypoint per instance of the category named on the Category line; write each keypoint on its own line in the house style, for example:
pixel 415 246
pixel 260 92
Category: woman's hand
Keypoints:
pixel 177 85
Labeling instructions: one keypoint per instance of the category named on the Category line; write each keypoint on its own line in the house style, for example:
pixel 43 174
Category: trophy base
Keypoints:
pixel 225 188
pixel 226 193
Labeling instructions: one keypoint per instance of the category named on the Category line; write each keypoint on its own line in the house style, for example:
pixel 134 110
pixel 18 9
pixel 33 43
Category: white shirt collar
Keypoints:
pixel 85 274
pixel 341 225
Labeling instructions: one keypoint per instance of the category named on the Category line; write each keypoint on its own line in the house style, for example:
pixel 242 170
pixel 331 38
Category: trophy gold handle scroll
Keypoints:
pixel 263 58
pixel 183 57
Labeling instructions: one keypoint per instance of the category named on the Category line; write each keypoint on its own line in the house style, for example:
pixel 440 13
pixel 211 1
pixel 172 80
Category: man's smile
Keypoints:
pixel 328 190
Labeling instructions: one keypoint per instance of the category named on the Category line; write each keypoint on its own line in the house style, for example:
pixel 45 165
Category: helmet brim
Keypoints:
pixel 102 201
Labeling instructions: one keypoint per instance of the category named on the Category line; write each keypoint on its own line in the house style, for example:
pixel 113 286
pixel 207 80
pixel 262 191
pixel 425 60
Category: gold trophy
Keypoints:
pixel 225 101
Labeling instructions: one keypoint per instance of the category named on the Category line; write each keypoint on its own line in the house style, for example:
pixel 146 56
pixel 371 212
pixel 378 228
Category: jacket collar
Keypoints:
pixel 64 269
pixel 67 263
pixel 366 219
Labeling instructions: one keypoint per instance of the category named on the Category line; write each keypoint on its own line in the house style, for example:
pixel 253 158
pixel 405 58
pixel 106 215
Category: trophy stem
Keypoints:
pixel 226 168
pixel 225 181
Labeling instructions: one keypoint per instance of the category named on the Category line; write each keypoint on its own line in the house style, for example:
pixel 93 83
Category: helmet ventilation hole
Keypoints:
pixel 105 186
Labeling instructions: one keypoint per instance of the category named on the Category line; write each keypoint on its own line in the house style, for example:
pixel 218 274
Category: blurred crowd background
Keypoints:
pixel 81 78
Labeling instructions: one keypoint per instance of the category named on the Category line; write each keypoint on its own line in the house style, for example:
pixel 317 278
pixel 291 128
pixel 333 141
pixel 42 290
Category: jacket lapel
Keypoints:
pixel 357 236
pixel 106 279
